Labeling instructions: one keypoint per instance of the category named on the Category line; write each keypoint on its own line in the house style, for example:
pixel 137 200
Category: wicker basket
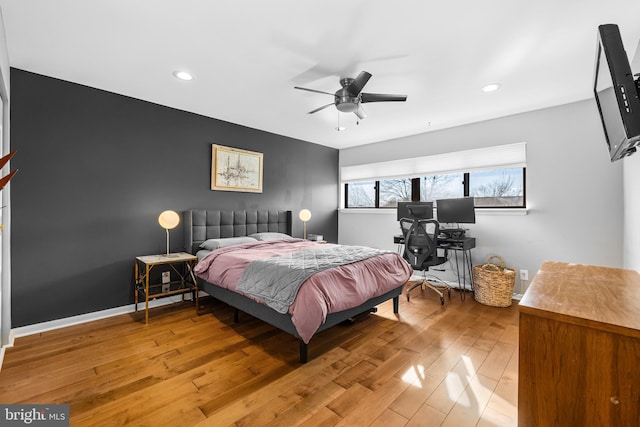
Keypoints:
pixel 493 284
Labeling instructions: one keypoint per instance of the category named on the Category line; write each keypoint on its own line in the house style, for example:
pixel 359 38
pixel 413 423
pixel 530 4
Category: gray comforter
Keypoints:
pixel 277 280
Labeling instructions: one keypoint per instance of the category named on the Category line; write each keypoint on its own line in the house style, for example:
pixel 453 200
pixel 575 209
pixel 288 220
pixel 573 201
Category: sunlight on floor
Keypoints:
pixel 414 376
pixel 455 388
pixel 457 382
pixel 477 394
pixel 500 412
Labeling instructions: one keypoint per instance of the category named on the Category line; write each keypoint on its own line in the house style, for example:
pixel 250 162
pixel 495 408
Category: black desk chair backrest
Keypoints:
pixel 421 242
pixel 420 250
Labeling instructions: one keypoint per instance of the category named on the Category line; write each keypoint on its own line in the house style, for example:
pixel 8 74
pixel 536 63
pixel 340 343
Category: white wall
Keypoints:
pixel 631 177
pixel 574 193
pixel 5 274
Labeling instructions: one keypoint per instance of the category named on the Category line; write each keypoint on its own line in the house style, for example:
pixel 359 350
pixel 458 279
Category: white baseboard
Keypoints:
pixel 4 347
pixel 89 317
pixel 455 285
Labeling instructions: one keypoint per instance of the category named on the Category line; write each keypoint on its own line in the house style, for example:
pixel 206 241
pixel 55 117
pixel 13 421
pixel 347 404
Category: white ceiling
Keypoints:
pixel 247 55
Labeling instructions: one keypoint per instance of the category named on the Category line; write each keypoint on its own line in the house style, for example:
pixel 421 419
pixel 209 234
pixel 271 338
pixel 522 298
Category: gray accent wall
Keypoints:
pixel 97 168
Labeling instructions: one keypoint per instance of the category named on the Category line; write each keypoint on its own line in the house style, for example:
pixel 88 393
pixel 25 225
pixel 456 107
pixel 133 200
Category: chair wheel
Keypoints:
pixel 441 300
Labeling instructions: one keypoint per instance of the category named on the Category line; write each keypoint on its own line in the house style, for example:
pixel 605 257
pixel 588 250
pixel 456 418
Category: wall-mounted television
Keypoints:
pixel 616 93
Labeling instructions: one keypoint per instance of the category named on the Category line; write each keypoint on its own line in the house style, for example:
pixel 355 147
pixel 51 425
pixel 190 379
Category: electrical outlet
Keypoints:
pixel 524 274
pixel 166 281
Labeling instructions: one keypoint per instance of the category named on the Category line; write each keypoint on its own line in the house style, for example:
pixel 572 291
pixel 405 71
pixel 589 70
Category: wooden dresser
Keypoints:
pixel 579 353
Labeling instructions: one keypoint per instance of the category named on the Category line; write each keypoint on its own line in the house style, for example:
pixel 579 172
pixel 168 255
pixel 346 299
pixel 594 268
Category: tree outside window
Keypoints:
pixel 434 187
pixel 501 187
pixel 490 188
pixel 362 195
pixel 393 191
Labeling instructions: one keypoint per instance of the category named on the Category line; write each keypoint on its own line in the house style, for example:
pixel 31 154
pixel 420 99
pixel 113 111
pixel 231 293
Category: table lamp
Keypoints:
pixel 169 220
pixel 304 215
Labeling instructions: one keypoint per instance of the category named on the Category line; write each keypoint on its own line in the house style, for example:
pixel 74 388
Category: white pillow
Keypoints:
pixel 213 244
pixel 270 236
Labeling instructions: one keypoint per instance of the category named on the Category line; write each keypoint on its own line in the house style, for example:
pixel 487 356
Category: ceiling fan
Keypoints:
pixel 350 96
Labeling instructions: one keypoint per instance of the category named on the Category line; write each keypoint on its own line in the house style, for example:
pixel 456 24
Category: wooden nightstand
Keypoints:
pixel 144 265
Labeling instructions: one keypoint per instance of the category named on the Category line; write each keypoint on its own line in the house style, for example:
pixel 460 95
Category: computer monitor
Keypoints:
pixel 456 211
pixel 421 210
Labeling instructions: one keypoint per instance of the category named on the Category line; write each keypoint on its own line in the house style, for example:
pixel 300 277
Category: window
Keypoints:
pixel 393 191
pixel 491 189
pixel 495 188
pixel 494 176
pixel 448 186
pixel 361 194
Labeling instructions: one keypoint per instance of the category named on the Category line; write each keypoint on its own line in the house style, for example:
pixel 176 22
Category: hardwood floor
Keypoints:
pixel 433 365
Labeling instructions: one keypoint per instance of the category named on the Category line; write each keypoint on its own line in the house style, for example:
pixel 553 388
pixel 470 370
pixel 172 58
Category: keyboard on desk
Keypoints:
pixel 451 241
pixel 464 243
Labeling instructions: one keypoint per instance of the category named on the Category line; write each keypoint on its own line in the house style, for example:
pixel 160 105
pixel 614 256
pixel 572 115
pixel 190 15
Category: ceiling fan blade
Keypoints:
pixel 321 108
pixel 360 112
pixel 313 90
pixel 358 83
pixel 382 97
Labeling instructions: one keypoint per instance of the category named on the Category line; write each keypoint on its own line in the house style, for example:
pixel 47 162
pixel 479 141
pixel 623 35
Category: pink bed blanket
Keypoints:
pixel 328 291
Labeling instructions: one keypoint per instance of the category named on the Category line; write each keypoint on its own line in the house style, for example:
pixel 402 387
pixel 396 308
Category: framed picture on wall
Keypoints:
pixel 233 169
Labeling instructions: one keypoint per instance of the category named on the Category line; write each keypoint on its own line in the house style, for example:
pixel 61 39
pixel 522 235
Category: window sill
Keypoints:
pixel 502 211
pixel 383 211
pixel 479 211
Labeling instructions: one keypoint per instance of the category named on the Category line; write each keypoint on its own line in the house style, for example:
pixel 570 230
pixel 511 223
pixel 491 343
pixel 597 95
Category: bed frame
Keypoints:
pixel 200 225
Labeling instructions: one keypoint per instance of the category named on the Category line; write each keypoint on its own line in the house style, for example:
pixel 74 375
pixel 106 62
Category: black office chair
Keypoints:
pixel 420 250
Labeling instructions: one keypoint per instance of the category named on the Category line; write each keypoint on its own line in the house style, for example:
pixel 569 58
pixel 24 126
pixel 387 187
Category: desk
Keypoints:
pixel 462 244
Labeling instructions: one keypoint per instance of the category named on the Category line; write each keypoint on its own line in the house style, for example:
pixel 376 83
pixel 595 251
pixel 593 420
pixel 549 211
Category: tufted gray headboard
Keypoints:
pixel 200 225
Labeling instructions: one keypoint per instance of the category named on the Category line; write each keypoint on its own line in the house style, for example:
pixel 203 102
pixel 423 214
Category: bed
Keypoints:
pixel 231 243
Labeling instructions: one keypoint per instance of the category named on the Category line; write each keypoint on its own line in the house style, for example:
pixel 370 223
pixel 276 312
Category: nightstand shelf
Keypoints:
pixel 186 283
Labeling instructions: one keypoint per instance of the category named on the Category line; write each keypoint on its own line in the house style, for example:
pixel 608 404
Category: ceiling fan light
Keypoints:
pixel 350 96
pixel 347 107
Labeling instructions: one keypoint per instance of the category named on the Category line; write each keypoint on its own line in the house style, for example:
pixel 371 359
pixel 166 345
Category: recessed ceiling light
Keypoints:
pixel 183 75
pixel 492 87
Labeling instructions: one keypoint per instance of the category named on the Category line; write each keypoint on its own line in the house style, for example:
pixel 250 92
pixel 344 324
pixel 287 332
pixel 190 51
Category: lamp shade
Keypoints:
pixel 304 215
pixel 169 219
